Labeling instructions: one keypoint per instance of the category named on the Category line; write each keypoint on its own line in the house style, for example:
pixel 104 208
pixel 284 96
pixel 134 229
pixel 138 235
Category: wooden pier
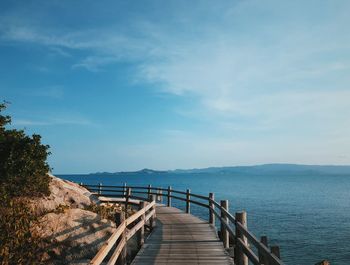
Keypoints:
pixel 181 238
pixel 178 237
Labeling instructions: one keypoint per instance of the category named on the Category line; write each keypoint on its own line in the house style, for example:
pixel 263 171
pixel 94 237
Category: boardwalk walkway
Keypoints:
pixel 181 238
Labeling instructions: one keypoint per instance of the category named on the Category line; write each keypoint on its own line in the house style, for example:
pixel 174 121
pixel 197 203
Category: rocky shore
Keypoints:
pixel 72 234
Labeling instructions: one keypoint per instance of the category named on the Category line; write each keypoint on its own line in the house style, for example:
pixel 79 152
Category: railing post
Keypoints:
pixel 141 232
pixel 152 220
pixel 262 258
pixel 127 198
pixel 211 209
pixel 159 195
pixel 188 197
pixel 100 188
pixel 124 189
pixel 276 251
pixel 169 196
pixel 119 219
pixel 224 232
pixel 149 191
pixel 240 257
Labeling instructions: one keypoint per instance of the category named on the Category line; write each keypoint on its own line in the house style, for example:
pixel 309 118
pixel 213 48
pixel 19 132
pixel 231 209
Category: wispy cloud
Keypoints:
pixel 53 92
pixel 105 45
pixel 60 51
pixel 24 122
pixel 79 121
pixel 95 63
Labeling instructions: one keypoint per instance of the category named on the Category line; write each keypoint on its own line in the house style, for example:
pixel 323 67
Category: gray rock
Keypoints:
pixel 73 235
pixel 64 193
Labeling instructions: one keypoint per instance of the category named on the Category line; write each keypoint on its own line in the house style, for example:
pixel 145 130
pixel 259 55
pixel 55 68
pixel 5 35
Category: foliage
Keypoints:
pixel 23 174
pixel 105 211
pixel 23 166
pixel 18 244
pixel 61 208
pixel 108 210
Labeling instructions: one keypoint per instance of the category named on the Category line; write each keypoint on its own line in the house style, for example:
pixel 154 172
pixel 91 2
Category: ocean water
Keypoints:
pixel 307 216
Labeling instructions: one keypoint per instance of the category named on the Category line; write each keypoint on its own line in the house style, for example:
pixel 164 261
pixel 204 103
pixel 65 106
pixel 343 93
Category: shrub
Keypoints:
pixel 23 175
pixel 105 211
pixel 18 244
pixel 23 166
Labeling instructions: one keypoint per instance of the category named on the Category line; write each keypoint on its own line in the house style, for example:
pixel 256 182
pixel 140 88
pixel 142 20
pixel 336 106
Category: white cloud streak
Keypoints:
pixel 79 121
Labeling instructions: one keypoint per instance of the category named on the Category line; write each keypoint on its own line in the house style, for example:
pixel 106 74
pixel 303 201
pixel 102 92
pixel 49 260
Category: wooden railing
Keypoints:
pixel 124 233
pixel 247 247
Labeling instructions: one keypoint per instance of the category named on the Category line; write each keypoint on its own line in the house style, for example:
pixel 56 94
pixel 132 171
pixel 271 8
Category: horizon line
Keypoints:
pixel 209 167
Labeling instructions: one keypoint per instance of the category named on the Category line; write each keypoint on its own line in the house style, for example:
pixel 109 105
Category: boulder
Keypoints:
pixel 72 230
pixel 63 193
pixel 73 235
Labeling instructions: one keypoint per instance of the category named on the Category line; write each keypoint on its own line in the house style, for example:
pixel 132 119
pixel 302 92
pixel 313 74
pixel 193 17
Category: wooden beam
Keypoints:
pixel 152 220
pixel 188 198
pixel 224 233
pixel 262 257
pixel 169 196
pixel 240 257
pixel 211 209
pixel 141 233
pixel 120 219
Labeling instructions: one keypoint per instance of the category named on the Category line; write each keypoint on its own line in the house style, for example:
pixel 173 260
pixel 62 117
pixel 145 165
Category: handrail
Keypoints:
pixel 242 236
pixel 248 251
pixel 122 229
pixel 215 203
pixel 95 188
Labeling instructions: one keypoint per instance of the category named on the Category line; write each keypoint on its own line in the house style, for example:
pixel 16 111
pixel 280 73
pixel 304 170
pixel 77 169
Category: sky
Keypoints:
pixel 125 85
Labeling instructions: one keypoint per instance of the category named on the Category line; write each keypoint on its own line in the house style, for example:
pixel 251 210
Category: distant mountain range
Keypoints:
pixel 266 169
pixel 142 171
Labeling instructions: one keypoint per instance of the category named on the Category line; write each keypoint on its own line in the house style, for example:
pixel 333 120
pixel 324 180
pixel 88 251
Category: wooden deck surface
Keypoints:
pixel 181 238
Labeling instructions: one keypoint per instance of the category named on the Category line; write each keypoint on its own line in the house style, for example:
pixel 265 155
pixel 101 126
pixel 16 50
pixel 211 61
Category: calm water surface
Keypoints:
pixel 307 216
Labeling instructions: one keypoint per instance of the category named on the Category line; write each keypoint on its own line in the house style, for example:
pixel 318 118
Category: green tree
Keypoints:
pixel 23 175
pixel 23 166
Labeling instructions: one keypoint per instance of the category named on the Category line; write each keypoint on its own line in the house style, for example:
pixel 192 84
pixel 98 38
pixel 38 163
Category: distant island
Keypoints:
pixel 142 171
pixel 265 169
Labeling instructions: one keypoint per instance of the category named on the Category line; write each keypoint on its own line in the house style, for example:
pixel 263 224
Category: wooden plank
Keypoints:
pixel 181 238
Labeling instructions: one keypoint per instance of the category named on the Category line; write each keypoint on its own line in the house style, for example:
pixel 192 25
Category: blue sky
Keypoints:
pixel 123 85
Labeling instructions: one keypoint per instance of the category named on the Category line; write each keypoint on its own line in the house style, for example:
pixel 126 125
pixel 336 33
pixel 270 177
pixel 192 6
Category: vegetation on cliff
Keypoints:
pixel 23 175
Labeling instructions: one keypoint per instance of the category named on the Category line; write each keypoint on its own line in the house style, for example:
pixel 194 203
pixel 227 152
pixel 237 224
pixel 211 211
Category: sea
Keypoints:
pixel 307 216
